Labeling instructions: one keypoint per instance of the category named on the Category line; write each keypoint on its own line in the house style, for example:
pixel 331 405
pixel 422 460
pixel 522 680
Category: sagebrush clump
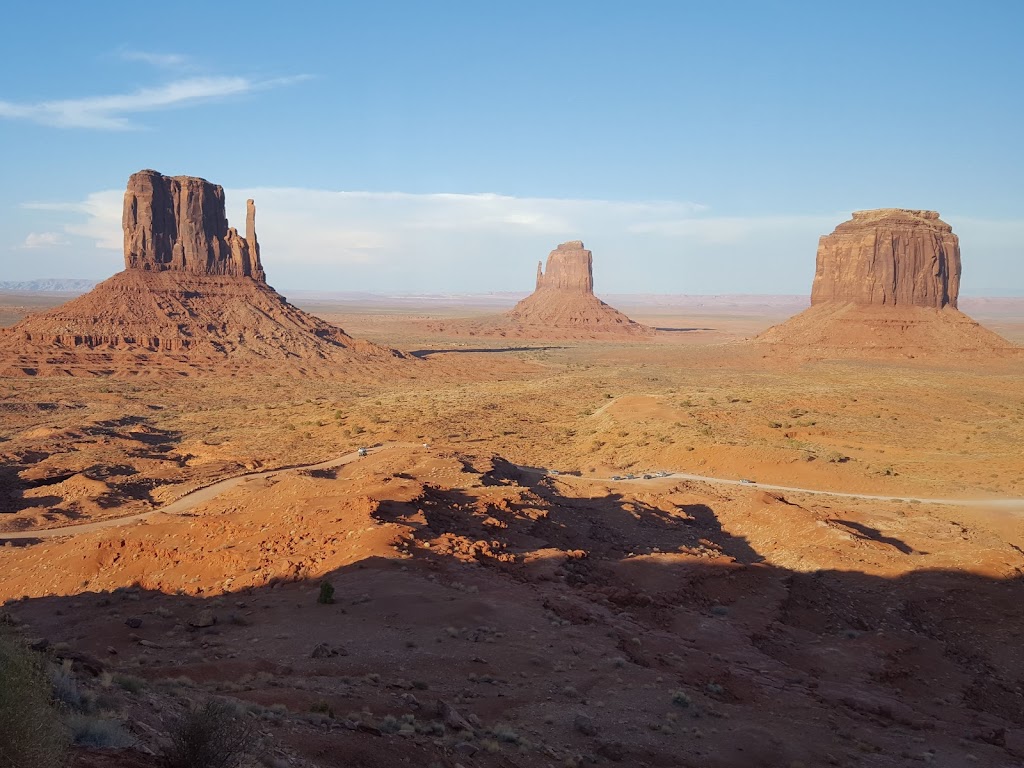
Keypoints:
pixel 31 732
pixel 215 735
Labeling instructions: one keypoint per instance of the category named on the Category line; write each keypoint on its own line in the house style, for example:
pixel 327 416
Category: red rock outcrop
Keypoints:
pixel 889 257
pixel 886 284
pixel 563 306
pixel 570 268
pixel 564 299
pixel 178 223
pixel 193 295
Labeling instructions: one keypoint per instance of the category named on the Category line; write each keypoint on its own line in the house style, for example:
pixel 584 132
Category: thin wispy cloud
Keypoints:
pixel 36 240
pixel 114 112
pixel 177 61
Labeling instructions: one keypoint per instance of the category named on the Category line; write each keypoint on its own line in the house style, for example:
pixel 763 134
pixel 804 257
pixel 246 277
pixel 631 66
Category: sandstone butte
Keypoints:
pixel 564 298
pixel 193 295
pixel 886 283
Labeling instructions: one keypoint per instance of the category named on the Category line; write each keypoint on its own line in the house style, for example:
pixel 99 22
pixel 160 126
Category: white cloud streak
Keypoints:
pixel 437 243
pixel 113 112
pixel 97 218
pixel 159 60
pixel 36 240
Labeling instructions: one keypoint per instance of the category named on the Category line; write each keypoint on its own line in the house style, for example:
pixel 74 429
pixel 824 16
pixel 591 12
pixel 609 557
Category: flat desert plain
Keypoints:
pixel 496 598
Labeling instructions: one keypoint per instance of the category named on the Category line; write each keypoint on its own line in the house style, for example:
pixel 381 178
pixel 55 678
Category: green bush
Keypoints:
pixel 215 735
pixel 326 596
pixel 31 732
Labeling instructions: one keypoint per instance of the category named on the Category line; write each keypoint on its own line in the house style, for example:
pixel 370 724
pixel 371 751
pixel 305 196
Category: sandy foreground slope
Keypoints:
pixel 487 615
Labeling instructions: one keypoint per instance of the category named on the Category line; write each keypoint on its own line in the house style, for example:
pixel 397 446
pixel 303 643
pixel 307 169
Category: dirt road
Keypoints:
pixel 187 502
pixel 194 498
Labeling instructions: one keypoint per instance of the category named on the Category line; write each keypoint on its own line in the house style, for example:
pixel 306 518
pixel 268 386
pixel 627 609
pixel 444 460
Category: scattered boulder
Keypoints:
pixel 612 750
pixel 204 618
pixel 325 651
pixel 584 724
pixel 451 718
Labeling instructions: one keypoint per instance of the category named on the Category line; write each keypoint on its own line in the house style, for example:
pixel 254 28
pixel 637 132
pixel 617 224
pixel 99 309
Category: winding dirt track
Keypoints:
pixel 190 500
pixel 199 496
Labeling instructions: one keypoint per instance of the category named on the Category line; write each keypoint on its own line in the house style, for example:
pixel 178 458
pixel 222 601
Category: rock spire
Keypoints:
pixel 178 224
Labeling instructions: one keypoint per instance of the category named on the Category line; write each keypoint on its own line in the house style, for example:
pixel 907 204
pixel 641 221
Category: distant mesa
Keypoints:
pixel 886 283
pixel 193 295
pixel 564 297
pixel 48 285
pixel 563 306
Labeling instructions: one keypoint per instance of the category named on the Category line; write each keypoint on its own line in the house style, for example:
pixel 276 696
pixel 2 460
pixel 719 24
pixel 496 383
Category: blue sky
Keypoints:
pixel 694 147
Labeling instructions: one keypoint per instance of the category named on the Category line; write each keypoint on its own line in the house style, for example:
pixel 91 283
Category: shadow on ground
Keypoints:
pixel 523 616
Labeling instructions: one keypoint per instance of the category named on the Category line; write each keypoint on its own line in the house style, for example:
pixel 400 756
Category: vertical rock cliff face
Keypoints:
pixel 177 223
pixel 570 268
pixel 889 257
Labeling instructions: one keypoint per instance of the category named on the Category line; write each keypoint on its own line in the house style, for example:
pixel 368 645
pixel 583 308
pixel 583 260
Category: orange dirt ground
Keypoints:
pixel 488 614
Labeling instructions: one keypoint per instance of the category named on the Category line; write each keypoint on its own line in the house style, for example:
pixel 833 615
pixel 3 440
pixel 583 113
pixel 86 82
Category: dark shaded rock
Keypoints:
pixel 585 724
pixel 205 618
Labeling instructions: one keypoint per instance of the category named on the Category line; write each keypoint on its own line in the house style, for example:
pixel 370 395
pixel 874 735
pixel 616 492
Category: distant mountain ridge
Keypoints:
pixel 51 285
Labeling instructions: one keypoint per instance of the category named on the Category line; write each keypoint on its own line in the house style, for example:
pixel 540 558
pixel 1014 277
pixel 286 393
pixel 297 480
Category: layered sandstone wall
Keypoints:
pixel 178 223
pixel 889 257
pixel 570 267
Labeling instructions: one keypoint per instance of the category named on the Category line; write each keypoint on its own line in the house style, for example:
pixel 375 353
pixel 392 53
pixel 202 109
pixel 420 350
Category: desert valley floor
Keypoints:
pixel 490 612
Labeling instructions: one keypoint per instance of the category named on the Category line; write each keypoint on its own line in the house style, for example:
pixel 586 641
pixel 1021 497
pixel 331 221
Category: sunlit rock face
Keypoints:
pixel 889 256
pixel 178 223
